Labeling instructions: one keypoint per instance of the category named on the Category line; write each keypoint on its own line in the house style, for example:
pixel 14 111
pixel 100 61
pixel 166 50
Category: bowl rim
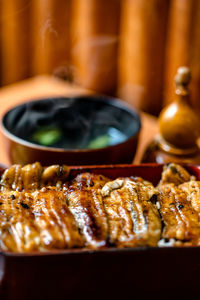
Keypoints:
pixel 113 101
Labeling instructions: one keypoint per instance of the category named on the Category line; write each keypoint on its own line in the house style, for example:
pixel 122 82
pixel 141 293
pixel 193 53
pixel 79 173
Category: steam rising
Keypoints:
pixel 48 28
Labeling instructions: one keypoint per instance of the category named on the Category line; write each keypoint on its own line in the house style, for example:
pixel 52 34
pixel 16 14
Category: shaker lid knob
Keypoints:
pixel 183 76
pixel 182 80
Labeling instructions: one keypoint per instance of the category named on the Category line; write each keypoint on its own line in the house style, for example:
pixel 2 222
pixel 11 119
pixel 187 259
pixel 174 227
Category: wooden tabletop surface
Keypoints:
pixel 45 86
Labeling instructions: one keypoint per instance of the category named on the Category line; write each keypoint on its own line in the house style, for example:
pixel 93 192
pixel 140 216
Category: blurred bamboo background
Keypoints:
pixel 125 48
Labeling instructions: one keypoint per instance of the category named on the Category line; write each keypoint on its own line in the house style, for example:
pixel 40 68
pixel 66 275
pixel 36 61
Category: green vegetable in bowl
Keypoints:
pixel 112 137
pixel 47 136
pixel 99 142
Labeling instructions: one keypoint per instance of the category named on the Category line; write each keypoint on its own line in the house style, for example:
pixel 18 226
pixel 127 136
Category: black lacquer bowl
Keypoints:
pixel 76 131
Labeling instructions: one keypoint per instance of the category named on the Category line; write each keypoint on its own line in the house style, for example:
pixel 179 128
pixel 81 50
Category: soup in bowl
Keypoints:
pixel 79 130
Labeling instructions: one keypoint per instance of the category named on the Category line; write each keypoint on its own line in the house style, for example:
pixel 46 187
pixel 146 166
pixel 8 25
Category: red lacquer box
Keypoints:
pixel 136 273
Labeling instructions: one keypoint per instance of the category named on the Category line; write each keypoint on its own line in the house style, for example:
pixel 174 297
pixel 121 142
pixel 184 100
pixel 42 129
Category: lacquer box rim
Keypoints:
pixel 107 273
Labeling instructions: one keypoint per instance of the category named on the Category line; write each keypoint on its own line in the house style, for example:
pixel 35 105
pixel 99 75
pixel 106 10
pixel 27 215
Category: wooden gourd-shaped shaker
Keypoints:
pixel 179 128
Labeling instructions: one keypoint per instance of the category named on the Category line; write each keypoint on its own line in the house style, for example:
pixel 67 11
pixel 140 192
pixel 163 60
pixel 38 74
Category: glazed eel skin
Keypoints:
pixel 179 206
pixel 41 210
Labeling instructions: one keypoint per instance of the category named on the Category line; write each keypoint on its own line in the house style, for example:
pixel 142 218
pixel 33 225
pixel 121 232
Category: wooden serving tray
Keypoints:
pixel 156 273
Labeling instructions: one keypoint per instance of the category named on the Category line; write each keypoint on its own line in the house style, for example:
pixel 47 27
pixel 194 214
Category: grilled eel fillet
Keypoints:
pixel 34 216
pixel 86 204
pixel 133 219
pixel 32 177
pixel 176 174
pixel 39 212
pixel 115 212
pixel 179 205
